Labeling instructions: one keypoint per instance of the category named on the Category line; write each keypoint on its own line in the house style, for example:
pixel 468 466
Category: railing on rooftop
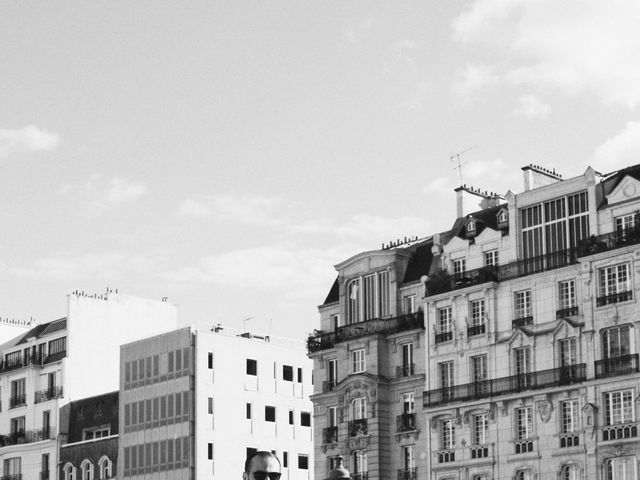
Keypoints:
pixel 28 436
pixel 511 384
pixel 612 367
pixel 384 326
pixel 610 241
pixel 48 394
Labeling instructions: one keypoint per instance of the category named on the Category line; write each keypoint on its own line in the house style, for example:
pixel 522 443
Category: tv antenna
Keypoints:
pixel 456 157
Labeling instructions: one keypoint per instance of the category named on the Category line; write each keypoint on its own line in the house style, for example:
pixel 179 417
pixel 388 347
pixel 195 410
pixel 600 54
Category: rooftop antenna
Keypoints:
pixel 244 322
pixel 456 157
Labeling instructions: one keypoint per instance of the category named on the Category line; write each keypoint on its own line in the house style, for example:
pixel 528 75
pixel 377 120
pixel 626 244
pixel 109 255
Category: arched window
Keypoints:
pixel 87 470
pixel 106 467
pixel 620 468
pixel 570 472
pixel 69 471
pixel 524 474
pixel 353 290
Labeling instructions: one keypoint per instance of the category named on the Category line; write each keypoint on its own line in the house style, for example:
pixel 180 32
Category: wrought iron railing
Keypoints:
pixel 383 326
pixel 511 384
pixel 609 241
pixel 406 422
pixel 614 298
pixel 405 370
pixel 48 394
pixel 330 435
pixel 328 386
pixel 358 427
pixel 620 431
pixel 17 400
pixel 474 330
pixel 569 439
pixel 408 473
pixel 443 337
pixel 566 312
pixel 611 367
pixel 522 322
pixel 28 436
pixel 13 362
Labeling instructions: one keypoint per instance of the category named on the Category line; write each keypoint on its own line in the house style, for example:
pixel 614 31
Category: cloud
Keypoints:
pixel 531 107
pixel 584 47
pixel 122 190
pixel 621 150
pixel 247 209
pixel 358 31
pixel 439 185
pixel 473 79
pixel 100 195
pixel 27 139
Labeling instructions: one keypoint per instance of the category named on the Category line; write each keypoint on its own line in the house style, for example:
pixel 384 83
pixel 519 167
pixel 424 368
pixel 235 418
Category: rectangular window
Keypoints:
pixel 210 451
pixel 476 308
pixel 619 407
pixel 359 408
pixel 616 342
pixel 269 413
pixel 444 319
pixel 480 429
pixel 299 375
pixel 447 434
pixel 524 423
pixel 409 304
pixel 614 280
pixel 17 426
pixel 332 371
pixel 491 258
pixel 408 402
pixel 303 462
pixel 407 358
pixel 210 406
pixel 156 365
pixel 333 416
pixel 58 345
pixel 384 307
pixel 522 356
pixel 335 321
pixel 287 373
pixel 18 392
pixel 252 367
pixel 459 268
pixel 568 354
pixel 170 362
pixel 178 360
pixel 479 368
pixel 567 294
pixel 358 361
pixel 523 304
pixel 248 410
pixel 291 416
pixel 285 459
pixel 408 458
pixel 446 374
pixel 210 361
pixel 354 301
pixel 569 416
pixel 305 419
pixel 369 300
pixel 625 224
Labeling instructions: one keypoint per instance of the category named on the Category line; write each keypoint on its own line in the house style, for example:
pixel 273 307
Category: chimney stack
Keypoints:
pixel 536 176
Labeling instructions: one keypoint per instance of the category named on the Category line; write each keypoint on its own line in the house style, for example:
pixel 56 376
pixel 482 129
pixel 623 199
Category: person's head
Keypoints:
pixel 262 465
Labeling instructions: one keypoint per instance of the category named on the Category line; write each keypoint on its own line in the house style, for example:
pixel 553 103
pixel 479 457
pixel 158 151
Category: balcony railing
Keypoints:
pixel 443 337
pixel 613 298
pixel 522 322
pixel 612 367
pixel 15 476
pixel 566 312
pixel 523 446
pixel 408 473
pixel 360 476
pixel 19 361
pixel 330 435
pixel 569 439
pixel 328 386
pixel 383 326
pixel 358 427
pixel 406 422
pixel 28 436
pixel 17 401
pixel 609 241
pixel 512 384
pixel 48 394
pixel 405 370
pixel 474 330
pixel 620 431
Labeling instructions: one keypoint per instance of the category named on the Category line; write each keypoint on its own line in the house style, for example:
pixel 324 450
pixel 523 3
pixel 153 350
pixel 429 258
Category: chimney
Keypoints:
pixel 536 177
pixel 487 199
pixel 459 201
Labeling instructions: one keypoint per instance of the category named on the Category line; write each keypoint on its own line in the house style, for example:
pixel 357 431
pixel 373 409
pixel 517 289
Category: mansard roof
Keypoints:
pixel 487 218
pixel 38 331
pixel 610 182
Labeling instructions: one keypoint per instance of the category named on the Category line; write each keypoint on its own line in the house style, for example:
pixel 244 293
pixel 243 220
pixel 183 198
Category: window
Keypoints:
pixel 358 361
pixel 359 462
pixel 620 468
pixel 568 354
pixel 567 294
pixel 447 434
pixel 479 368
pixel 210 451
pixel 369 297
pixel 69 471
pixel 525 474
pixel 353 289
pixel 305 419
pixel 269 413
pixel 18 393
pixel 407 359
pixel 303 462
pixel 210 405
pixel 251 452
pixel 408 457
pixel 16 426
pixel 285 459
pixel 614 282
pixel 106 467
pixel 615 342
pixel 446 374
pixel 252 367
pixel 459 267
pixel 291 416
pixel 287 373
pixel 480 429
pixel 408 402
pixel 618 407
pixel 44 466
pixel 444 319
pixel 476 308
pixel 96 432
pixel 210 361
pixel 522 356
pixel 524 423
pixel 248 410
pixel 523 304
pixel 409 304
pixel 12 467
pixel 626 223
pixel 333 416
pixel 299 375
pixel 58 345
pixel 491 258
pixel 359 408
pixel 334 321
pixel 87 470
pixel 332 372
pixel 569 416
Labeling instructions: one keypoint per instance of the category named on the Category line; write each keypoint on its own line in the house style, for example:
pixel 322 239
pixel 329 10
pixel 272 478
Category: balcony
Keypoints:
pixel 17 401
pixel 378 326
pixel 358 427
pixel 408 474
pixel 443 337
pixel 48 394
pixel 522 322
pixel 29 436
pixel 569 439
pixel 360 476
pixel 619 431
pixel 523 446
pixel 330 435
pixel 443 282
pixel 566 312
pixel 406 422
pixel 405 370
pixel 501 386
pixel 328 386
pixel 613 298
pixel 612 367
pixel 15 362
pixel 476 330
pixel 609 241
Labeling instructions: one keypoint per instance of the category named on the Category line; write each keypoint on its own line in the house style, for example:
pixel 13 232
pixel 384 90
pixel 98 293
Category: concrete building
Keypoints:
pixel 71 358
pixel 531 350
pixel 195 403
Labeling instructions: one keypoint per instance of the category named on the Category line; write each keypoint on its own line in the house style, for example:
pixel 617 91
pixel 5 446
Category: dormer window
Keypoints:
pixel 503 217
pixel 471 227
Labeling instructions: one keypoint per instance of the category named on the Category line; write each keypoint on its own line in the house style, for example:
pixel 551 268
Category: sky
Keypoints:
pixel 227 154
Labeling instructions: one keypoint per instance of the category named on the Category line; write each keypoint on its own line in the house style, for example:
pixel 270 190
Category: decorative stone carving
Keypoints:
pixel 545 407
pixel 359 443
pixel 620 450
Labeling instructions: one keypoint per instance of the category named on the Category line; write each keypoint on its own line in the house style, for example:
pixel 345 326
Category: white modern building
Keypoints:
pixel 195 404
pixel 70 358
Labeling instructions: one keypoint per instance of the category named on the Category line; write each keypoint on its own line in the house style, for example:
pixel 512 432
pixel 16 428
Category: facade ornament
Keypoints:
pixel 620 450
pixel 544 410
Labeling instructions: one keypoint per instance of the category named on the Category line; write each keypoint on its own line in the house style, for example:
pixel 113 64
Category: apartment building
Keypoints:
pixel 70 358
pixel 531 353
pixel 195 404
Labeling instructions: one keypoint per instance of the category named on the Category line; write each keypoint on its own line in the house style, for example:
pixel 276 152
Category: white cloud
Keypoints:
pixel 576 46
pixel 248 209
pixel 27 139
pixel 619 151
pixel 99 195
pixel 473 79
pixel 122 190
pixel 531 107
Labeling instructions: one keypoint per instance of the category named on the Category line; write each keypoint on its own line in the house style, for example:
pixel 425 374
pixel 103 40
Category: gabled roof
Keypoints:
pixel 608 184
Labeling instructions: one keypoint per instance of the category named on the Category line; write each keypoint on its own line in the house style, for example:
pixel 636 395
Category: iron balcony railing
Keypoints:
pixel 512 384
pixel 48 394
pixel 408 473
pixel 13 362
pixel 443 337
pixel 17 401
pixel 569 439
pixel 406 422
pixel 612 367
pixel 613 298
pixel 609 241
pixel 566 312
pixel 28 436
pixel 522 322
pixel 443 281
pixel 328 386
pixel 330 435
pixel 358 427
pixel 405 370
pixel 620 431
pixel 474 330
pixel 379 326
